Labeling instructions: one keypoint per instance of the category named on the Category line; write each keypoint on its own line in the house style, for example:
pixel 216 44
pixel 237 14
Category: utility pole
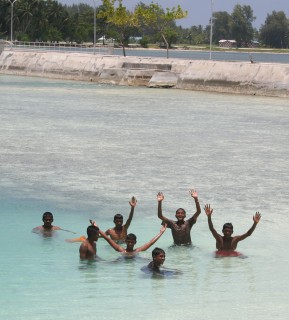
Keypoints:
pixel 211 31
pixel 11 28
pixel 94 26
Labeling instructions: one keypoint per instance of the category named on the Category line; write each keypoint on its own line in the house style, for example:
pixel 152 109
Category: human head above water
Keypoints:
pixel 47 215
pixel 118 216
pixel 180 213
pixel 92 231
pixel 131 236
pixel 157 251
pixel 228 225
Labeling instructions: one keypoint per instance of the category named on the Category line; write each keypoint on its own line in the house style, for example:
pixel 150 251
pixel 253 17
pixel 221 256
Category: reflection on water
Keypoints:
pixel 82 150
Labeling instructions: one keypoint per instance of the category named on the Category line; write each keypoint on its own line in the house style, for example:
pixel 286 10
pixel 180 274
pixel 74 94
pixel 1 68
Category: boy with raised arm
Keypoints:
pixel 119 232
pixel 130 241
pixel 227 244
pixel 181 229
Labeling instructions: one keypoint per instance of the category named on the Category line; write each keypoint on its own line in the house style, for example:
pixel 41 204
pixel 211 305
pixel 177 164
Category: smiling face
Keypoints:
pixel 180 214
pixel 118 222
pixel 227 232
pixel 130 244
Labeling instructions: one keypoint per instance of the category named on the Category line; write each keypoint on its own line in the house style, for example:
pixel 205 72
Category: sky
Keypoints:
pixel 199 11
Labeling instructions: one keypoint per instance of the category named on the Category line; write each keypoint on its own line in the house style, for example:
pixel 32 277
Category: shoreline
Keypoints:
pixel 219 49
pixel 260 79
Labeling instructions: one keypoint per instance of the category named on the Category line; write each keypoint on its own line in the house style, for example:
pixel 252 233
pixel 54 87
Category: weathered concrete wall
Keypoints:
pixel 218 76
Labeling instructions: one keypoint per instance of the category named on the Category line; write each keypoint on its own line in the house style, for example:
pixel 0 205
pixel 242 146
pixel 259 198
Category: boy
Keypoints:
pixel 130 241
pixel 119 232
pixel 227 244
pixel 159 257
pixel 47 228
pixel 181 228
pixel 87 250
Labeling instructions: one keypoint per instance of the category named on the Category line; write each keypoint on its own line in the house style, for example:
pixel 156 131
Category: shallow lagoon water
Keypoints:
pixel 81 150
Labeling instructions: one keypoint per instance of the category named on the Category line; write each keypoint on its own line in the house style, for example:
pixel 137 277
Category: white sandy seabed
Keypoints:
pixel 263 79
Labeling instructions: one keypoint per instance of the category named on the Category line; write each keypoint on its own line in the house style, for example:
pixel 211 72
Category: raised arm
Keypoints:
pixel 160 198
pixel 132 203
pixel 153 240
pixel 209 212
pixel 256 219
pixel 194 195
pixel 112 243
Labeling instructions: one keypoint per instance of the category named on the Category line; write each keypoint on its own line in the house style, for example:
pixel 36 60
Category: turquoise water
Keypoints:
pixel 81 150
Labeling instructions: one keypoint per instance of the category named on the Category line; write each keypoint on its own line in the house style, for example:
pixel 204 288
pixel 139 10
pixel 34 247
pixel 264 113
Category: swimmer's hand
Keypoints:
pixel 160 196
pixel 193 193
pixel 257 217
pixel 133 201
pixel 93 223
pixel 208 210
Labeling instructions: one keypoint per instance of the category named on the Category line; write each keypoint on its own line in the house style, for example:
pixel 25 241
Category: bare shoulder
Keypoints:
pixel 109 231
pixel 84 244
pixel 56 228
pixel 38 229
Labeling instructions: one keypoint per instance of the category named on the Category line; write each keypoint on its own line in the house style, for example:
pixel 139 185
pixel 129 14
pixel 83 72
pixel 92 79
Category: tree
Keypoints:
pixel 275 31
pixel 222 22
pixel 124 20
pixel 160 20
pixel 80 23
pixel 241 24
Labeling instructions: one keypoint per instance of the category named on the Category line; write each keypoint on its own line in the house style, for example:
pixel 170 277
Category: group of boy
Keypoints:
pixel 226 244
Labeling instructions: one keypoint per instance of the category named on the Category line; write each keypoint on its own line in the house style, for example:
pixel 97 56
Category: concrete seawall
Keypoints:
pixel 262 79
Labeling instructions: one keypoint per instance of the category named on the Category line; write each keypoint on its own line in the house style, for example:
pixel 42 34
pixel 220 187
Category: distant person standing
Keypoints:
pixel 226 244
pixel 181 228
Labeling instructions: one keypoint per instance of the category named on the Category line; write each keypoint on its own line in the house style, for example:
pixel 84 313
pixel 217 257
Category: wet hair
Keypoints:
pixel 228 225
pixel 47 214
pixel 131 236
pixel 157 251
pixel 118 216
pixel 91 230
pixel 181 209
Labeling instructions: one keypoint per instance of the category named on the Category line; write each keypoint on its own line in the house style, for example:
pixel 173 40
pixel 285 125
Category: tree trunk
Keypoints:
pixel 167 45
pixel 123 50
